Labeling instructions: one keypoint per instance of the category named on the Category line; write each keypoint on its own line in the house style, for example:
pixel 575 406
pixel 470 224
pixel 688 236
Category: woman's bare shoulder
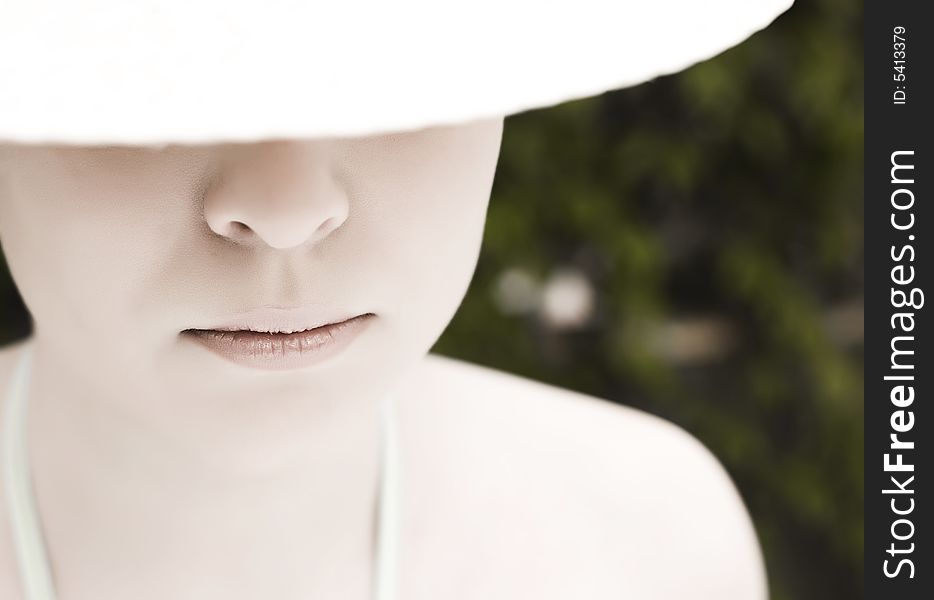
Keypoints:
pixel 583 489
pixel 542 486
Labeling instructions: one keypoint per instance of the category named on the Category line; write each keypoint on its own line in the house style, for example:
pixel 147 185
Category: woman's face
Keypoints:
pixel 117 250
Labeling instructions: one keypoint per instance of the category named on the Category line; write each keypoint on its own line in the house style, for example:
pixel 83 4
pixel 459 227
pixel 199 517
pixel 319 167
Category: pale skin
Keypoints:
pixel 163 471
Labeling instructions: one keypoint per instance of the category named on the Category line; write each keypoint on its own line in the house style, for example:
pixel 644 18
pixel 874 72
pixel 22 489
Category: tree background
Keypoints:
pixel 693 247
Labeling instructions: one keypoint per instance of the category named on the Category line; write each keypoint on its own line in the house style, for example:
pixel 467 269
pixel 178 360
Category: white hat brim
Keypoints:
pixel 144 72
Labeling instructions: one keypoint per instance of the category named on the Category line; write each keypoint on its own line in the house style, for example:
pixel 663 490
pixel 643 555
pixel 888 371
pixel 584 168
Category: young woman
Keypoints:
pixel 228 392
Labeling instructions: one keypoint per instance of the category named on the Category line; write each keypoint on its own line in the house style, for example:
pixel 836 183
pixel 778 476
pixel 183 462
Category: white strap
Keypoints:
pixel 35 573
pixel 387 542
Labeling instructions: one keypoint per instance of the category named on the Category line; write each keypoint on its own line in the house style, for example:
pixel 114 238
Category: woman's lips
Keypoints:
pixel 281 351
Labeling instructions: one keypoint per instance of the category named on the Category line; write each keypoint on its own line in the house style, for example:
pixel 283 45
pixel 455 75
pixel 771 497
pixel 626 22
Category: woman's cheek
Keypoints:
pixel 77 261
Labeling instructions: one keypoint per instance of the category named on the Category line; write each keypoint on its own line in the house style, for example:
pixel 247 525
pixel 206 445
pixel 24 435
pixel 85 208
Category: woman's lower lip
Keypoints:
pixel 281 351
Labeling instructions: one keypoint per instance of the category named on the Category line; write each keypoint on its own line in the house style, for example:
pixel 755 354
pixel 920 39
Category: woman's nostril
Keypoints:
pixel 326 227
pixel 233 230
pixel 237 230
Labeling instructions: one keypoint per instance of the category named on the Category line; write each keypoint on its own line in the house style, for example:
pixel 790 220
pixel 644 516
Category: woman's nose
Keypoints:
pixel 281 194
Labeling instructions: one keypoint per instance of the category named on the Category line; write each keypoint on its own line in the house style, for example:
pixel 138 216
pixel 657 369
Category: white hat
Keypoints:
pixel 144 72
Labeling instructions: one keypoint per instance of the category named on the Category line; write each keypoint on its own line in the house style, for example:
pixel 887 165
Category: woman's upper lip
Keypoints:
pixel 271 319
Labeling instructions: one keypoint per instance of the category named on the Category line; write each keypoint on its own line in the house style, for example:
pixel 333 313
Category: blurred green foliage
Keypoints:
pixel 730 193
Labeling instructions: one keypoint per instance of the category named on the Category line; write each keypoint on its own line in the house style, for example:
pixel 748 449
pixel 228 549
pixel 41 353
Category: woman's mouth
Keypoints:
pixel 290 348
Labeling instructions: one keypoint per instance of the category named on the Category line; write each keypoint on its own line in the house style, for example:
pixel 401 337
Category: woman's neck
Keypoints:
pixel 129 504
